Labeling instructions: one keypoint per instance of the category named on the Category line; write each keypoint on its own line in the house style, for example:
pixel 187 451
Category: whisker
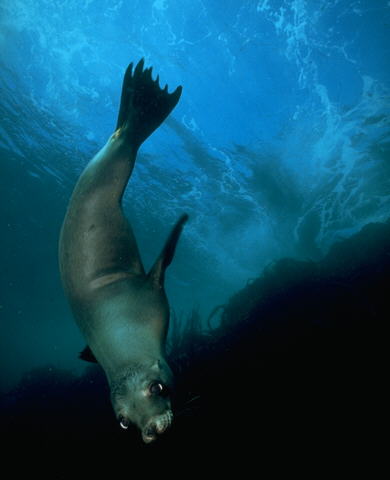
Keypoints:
pixel 187 407
pixel 192 399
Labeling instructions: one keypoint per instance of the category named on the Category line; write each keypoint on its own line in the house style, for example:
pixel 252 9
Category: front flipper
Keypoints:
pixel 156 274
pixel 144 105
pixel 87 355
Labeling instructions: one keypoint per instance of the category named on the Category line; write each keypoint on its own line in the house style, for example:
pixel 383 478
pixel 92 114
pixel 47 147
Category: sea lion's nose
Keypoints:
pixel 150 433
pixel 157 426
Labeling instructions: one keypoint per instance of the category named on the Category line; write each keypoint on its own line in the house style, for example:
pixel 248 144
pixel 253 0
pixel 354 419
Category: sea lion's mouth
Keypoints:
pixel 157 426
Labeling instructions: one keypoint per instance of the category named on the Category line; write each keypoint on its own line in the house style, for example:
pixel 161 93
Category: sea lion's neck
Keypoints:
pixel 125 326
pixel 116 373
pixel 122 349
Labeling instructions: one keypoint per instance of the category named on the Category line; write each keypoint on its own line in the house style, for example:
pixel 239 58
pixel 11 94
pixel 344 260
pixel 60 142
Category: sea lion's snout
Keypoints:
pixel 157 426
pixel 142 399
pixel 149 435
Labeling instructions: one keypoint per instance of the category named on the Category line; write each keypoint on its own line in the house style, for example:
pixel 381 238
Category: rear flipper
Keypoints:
pixel 157 272
pixel 144 105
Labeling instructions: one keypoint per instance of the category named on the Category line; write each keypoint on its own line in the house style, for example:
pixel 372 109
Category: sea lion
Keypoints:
pixel 122 311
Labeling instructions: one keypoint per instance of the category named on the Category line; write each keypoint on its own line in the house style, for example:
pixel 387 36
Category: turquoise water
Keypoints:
pixel 279 145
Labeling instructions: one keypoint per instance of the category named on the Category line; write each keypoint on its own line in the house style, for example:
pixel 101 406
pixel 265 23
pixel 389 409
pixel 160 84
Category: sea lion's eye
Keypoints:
pixel 156 388
pixel 123 423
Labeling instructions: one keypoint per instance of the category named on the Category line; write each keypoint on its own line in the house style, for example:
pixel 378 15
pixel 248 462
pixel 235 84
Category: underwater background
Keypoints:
pixel 279 146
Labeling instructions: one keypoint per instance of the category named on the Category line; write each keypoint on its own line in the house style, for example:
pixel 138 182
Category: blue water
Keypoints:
pixel 279 145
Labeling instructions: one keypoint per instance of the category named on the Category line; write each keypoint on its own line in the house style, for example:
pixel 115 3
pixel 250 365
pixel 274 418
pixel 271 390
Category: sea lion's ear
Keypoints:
pixel 87 355
pixel 156 274
pixel 156 366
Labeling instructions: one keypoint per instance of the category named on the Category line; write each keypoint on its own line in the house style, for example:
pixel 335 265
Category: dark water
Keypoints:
pixel 292 377
pixel 278 148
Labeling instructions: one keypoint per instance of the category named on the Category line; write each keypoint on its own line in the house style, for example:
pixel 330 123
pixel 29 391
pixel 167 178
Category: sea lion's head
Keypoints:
pixel 142 396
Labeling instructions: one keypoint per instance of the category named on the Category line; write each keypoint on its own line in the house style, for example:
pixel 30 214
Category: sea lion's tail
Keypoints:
pixel 157 272
pixel 144 105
